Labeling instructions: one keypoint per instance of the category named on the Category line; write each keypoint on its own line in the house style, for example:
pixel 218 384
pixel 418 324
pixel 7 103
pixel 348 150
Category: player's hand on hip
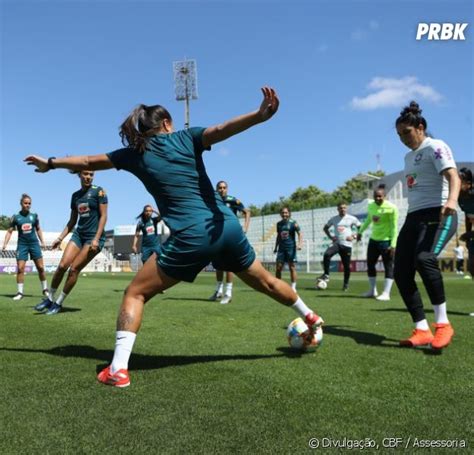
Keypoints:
pixel 38 161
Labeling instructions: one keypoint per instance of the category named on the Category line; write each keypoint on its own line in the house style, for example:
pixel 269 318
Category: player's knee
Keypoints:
pixel 425 259
pixel 62 267
pixel 73 272
pixel 21 270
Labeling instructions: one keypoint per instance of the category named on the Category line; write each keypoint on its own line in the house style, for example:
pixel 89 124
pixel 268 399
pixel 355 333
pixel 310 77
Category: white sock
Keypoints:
pixel 219 287
pixel 388 286
pixel 441 315
pixel 61 298
pixel 422 325
pixel 51 294
pixel 228 289
pixel 20 287
pixel 44 285
pixel 300 307
pixel 372 282
pixel 293 285
pixel 123 348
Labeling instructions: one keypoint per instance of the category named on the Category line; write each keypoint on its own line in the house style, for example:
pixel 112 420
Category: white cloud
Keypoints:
pixel 363 33
pixel 223 151
pixel 389 92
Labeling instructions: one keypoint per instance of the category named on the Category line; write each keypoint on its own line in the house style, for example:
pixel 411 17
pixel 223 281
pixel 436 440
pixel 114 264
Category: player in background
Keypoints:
pixel 383 215
pixel 236 206
pixel 148 227
pixel 466 203
pixel 433 189
pixel 28 227
pixel 344 231
pixel 203 228
pixel 459 258
pixel 286 246
pixel 89 210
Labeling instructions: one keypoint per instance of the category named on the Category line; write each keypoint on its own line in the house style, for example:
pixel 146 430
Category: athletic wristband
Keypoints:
pixel 50 162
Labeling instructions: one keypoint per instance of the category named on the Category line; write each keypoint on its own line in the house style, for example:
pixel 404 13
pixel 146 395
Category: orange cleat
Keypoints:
pixel 443 335
pixel 117 379
pixel 418 338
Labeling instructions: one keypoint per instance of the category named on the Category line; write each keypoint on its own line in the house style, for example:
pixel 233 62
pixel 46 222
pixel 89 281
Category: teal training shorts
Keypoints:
pixel 80 240
pixel 188 251
pixel 33 250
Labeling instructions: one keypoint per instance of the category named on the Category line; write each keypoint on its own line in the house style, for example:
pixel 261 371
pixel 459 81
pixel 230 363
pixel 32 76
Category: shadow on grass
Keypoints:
pixel 190 299
pixel 373 339
pixel 143 361
pixel 13 295
pixel 341 296
pixel 63 310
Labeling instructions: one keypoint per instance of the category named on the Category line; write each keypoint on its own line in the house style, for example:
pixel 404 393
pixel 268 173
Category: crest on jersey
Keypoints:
pixel 101 193
pixel 83 209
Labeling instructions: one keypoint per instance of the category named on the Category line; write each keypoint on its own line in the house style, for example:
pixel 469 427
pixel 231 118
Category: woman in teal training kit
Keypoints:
pixel 203 229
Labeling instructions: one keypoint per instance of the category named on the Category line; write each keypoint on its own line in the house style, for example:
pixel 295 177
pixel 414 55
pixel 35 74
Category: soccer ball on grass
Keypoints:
pixel 321 285
pixel 302 338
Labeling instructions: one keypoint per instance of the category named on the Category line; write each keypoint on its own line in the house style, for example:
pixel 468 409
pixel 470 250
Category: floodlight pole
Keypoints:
pixel 185 85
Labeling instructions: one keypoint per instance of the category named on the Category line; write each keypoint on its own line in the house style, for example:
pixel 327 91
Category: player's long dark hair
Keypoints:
pixel 411 115
pixel 142 215
pixel 143 123
pixel 466 175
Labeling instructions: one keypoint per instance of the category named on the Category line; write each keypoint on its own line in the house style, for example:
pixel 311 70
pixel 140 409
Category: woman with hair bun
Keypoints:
pixel 28 246
pixel 433 188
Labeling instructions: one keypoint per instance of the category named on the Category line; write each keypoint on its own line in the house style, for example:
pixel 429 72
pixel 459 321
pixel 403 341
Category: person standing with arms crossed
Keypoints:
pixel 383 215
pixel 286 246
pixel 433 189
pixel 343 226
pixel 236 206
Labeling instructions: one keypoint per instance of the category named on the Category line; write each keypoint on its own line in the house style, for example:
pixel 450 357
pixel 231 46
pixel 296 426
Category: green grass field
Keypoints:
pixel 208 378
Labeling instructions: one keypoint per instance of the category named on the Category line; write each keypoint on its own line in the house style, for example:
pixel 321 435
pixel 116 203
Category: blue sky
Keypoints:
pixel 71 71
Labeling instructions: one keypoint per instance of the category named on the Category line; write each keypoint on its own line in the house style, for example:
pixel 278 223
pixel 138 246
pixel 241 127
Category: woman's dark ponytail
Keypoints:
pixel 143 123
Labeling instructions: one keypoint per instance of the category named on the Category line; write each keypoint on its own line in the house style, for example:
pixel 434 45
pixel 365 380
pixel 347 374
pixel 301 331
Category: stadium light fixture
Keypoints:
pixel 185 84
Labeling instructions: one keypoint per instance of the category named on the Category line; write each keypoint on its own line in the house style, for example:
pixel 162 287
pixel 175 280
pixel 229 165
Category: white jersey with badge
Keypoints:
pixel 427 187
pixel 343 228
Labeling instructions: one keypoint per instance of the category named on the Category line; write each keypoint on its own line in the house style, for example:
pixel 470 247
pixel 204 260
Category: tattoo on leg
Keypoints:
pixel 125 320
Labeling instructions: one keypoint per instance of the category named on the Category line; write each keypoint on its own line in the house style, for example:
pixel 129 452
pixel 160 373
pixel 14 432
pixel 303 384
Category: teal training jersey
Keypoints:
pixel 86 203
pixel 384 219
pixel 286 231
pixel 26 225
pixel 234 204
pixel 173 172
pixel 149 232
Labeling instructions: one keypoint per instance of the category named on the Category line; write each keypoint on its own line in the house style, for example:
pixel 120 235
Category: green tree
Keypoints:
pixel 4 222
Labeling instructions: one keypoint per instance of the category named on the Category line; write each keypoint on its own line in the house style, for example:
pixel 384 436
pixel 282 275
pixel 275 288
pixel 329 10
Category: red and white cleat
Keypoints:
pixel 117 379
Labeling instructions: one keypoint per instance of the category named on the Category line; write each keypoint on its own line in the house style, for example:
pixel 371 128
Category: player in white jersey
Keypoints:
pixel 433 188
pixel 342 230
pixel 458 251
